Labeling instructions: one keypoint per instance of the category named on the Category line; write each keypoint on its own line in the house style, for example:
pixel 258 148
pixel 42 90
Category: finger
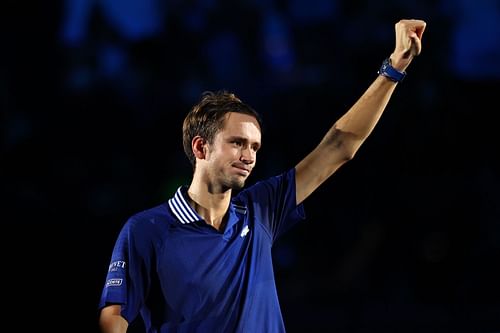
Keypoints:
pixel 420 30
pixel 415 46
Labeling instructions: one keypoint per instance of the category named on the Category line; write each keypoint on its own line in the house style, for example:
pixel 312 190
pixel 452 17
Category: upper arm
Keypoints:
pixel 336 148
pixel 111 320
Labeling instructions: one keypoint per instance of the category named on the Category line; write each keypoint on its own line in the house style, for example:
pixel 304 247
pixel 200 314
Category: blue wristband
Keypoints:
pixel 390 72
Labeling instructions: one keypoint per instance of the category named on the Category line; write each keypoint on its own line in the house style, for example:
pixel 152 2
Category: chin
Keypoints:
pixel 236 183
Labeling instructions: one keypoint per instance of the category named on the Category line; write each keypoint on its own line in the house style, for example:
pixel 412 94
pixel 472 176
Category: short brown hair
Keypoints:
pixel 206 118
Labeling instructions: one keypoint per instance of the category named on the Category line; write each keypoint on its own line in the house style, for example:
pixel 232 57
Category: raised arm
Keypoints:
pixel 344 138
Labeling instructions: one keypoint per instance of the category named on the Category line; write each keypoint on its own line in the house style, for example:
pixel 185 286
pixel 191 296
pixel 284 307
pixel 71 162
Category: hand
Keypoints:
pixel 408 42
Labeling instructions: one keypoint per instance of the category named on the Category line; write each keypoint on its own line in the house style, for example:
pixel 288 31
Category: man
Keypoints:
pixel 201 262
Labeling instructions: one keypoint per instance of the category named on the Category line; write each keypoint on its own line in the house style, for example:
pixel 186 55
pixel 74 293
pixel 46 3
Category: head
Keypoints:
pixel 216 112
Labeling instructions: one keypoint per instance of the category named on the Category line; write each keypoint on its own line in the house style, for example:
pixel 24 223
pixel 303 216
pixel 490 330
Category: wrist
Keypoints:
pixel 399 61
pixel 390 72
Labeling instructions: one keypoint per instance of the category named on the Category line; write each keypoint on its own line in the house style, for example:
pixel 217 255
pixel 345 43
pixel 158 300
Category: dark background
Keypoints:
pixel 404 238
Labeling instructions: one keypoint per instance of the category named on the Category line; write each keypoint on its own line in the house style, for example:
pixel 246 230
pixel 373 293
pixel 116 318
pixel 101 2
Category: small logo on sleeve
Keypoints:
pixel 245 231
pixel 115 265
pixel 114 282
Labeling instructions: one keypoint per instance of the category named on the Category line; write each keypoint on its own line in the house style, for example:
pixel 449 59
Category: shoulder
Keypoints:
pixel 268 185
pixel 151 220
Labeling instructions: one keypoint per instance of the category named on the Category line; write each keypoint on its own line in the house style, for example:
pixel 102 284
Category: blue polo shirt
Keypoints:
pixel 182 275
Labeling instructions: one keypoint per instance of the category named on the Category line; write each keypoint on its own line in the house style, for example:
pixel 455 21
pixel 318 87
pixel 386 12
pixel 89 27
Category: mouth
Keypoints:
pixel 245 171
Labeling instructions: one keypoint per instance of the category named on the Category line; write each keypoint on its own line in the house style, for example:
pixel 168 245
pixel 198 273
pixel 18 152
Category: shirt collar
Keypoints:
pixel 239 209
pixel 186 214
pixel 181 209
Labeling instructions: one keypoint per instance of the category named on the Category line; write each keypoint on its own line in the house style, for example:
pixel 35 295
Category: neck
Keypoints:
pixel 209 202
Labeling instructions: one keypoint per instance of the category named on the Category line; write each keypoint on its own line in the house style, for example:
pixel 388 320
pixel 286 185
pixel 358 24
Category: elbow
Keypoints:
pixel 345 144
pixel 347 148
pixel 350 148
pixel 348 151
pixel 349 154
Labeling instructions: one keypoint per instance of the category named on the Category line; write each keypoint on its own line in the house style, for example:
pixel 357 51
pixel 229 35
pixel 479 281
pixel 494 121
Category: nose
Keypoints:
pixel 247 155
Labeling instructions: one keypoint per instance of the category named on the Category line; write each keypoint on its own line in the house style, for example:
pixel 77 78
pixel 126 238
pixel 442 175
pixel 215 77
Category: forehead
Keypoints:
pixel 240 124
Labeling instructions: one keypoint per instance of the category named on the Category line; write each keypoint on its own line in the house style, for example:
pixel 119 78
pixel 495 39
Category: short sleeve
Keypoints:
pixel 273 203
pixel 127 277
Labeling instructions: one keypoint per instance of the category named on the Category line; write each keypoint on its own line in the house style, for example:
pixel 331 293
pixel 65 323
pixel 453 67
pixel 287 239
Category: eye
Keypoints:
pixel 237 143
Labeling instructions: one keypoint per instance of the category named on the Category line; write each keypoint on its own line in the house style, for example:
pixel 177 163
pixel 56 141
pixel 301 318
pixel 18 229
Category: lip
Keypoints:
pixel 242 170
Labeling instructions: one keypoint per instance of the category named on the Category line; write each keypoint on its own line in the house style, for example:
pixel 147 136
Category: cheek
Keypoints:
pixel 228 151
pixel 222 153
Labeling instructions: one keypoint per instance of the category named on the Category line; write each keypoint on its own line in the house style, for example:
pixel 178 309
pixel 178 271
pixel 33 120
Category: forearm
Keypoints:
pixel 346 135
pixel 351 130
pixel 362 117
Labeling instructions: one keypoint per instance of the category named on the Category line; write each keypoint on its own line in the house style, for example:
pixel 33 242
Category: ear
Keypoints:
pixel 198 145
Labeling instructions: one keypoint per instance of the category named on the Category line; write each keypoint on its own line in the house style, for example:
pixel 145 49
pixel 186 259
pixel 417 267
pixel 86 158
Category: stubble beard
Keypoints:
pixel 234 183
pixel 228 181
